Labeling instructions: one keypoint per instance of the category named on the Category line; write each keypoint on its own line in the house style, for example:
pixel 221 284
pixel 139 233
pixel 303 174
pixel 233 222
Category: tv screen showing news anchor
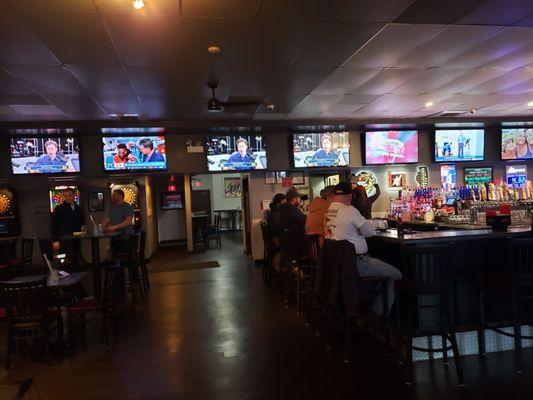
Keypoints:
pixel 236 153
pixel 45 155
pixel 331 149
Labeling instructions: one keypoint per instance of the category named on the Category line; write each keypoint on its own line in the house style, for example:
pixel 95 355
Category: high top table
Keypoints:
pixel 95 253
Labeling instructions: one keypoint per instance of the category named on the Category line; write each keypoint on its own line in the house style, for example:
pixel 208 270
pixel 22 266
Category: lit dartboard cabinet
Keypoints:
pixel 56 196
pixel 9 219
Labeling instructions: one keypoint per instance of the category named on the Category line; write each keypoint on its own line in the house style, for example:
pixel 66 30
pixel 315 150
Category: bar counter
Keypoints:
pixel 479 258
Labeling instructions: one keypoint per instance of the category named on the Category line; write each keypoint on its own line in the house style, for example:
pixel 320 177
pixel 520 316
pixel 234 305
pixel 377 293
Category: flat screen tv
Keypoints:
pixel 474 176
pixel 391 147
pixel 171 201
pixel 134 153
pixel 236 153
pixel 517 144
pixel 452 145
pixel 44 154
pixel 329 149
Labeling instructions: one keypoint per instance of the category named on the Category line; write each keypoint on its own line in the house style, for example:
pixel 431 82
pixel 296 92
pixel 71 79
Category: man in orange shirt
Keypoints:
pixel 314 224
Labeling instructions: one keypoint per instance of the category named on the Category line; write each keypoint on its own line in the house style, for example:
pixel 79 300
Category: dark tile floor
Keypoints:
pixel 217 334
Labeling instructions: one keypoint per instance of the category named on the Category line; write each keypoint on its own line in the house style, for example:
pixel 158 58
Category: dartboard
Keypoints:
pixel 5 204
pixel 130 196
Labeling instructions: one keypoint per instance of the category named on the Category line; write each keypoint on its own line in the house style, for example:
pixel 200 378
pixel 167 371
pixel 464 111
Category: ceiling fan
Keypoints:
pixel 214 104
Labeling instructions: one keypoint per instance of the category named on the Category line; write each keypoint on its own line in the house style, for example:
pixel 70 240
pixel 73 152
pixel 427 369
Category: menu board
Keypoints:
pixel 473 176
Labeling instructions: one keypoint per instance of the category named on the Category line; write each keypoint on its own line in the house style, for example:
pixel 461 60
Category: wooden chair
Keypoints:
pixel 28 315
pixel 103 309
pixel 427 285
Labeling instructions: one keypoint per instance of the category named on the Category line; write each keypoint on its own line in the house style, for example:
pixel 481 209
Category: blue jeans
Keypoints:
pixel 369 266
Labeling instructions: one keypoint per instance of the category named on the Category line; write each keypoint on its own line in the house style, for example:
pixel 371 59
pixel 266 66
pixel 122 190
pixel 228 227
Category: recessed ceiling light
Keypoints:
pixel 138 4
pixel 530 104
pixel 429 104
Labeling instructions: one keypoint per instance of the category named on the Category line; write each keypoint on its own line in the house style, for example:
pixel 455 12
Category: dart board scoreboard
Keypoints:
pixel 56 196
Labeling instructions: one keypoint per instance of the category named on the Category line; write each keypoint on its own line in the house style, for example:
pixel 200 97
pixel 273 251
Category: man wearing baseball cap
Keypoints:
pixel 291 218
pixel 345 222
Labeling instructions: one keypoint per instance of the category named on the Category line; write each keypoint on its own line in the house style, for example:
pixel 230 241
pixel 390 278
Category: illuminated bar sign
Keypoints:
pixel 516 175
pixel 474 176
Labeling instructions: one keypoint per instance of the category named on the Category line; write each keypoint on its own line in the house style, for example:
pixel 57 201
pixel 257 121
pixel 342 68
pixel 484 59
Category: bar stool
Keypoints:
pixel 143 262
pixel 520 256
pixel 267 253
pixel 341 295
pixel 427 274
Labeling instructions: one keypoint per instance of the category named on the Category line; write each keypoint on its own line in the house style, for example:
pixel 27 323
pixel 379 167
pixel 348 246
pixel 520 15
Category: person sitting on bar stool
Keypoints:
pixel 291 218
pixel 345 222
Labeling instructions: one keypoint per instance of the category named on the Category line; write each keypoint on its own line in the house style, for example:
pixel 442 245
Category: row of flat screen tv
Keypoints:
pixel 61 153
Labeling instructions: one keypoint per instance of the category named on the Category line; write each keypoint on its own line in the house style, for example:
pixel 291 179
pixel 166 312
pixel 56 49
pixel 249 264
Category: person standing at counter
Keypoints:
pixel 344 222
pixel 67 218
pixel 120 222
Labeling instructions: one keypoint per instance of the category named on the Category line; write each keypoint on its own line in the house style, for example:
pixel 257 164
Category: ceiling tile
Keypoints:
pixel 362 10
pixel 101 79
pixel 449 43
pixel 329 44
pixel 7 99
pixel 46 109
pixel 344 80
pixel 88 41
pixel 358 99
pixel 47 80
pixel 436 11
pixel 428 81
pixel 503 82
pixel 497 12
pixel 386 81
pixel 516 59
pixel 470 79
pixel 499 45
pixel 145 41
pixel 75 6
pixel 19 46
pixel 228 9
pixel 390 44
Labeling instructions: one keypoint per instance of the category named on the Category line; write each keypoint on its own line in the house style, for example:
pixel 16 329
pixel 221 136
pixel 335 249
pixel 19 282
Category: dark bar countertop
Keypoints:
pixel 391 235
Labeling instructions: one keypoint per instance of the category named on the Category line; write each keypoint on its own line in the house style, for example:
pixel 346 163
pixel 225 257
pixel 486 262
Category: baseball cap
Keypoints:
pixel 342 188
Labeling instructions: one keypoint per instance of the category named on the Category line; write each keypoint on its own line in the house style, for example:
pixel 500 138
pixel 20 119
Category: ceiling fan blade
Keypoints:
pixel 243 103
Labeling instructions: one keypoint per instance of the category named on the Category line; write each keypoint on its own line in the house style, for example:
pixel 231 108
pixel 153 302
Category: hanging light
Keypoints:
pixel 138 4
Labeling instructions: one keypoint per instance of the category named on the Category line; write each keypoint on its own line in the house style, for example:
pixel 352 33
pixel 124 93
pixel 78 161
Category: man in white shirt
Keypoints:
pixel 344 222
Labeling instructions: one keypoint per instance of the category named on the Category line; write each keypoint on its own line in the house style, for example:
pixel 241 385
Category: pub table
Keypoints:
pixel 95 253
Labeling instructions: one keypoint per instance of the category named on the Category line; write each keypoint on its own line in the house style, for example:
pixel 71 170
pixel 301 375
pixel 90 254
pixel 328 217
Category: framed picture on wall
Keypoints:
pixel 280 175
pixel 397 180
pixel 297 177
pixel 232 188
pixel 96 201
pixel 270 178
